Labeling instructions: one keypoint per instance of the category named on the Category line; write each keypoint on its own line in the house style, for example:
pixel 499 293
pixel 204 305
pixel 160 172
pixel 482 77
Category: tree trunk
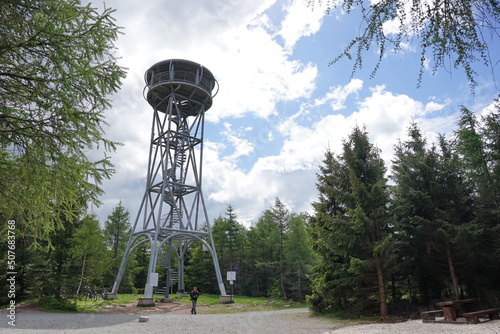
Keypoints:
pixel 381 287
pixel 393 288
pixel 299 283
pixel 81 276
pixel 380 273
pixel 451 266
pixel 282 284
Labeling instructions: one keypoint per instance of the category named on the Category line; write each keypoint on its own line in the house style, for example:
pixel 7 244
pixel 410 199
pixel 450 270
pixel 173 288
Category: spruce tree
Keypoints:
pixel 478 145
pixel 298 257
pixel 265 239
pixel 229 239
pixel 350 229
pixel 432 208
pixel 280 216
pixel 117 231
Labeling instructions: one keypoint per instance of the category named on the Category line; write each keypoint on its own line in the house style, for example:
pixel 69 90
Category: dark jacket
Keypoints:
pixel 194 294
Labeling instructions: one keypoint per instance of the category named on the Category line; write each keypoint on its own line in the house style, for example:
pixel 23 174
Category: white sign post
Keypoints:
pixel 231 277
pixel 154 279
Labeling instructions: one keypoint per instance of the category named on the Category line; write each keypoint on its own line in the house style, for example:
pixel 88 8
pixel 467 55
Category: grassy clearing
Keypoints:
pixel 241 303
pixel 211 302
pixel 89 306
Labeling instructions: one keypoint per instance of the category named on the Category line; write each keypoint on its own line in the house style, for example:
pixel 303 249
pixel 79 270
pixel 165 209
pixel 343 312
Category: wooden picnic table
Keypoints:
pixel 454 308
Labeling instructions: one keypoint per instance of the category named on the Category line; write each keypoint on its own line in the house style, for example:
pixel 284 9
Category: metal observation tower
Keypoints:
pixel 173 212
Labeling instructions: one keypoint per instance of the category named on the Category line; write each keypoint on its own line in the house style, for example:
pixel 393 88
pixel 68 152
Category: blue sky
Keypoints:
pixel 280 104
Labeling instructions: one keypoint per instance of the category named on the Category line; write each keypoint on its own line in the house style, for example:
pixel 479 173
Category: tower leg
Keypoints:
pixel 168 283
pixel 180 269
pixel 222 288
pixel 128 251
pixel 119 276
pixel 148 289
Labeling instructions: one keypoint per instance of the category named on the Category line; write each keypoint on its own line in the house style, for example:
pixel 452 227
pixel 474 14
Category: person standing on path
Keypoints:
pixel 194 297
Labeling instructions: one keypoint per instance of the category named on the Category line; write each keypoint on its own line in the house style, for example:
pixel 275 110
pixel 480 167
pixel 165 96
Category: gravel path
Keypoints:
pixel 417 327
pixel 273 322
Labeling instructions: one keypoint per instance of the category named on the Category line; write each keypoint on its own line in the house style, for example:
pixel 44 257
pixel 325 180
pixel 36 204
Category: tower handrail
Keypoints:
pixel 181 76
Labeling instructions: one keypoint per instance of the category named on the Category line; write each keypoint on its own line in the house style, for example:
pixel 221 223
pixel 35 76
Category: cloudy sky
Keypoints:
pixel 280 105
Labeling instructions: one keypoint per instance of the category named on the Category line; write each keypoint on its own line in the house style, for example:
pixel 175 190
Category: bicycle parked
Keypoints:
pixel 92 294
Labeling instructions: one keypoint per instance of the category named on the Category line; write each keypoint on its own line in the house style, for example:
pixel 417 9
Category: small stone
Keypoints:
pixel 143 318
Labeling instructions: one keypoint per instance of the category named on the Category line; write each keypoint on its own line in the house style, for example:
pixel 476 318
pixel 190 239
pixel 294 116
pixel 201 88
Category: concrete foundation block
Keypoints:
pixel 226 299
pixel 146 302
pixel 110 296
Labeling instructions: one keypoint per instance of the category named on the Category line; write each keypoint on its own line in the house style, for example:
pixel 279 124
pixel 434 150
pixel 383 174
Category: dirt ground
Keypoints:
pixel 132 308
pixel 159 308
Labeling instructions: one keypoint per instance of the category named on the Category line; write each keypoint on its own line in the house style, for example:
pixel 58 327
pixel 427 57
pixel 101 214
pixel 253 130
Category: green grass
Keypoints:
pixel 89 306
pixel 241 303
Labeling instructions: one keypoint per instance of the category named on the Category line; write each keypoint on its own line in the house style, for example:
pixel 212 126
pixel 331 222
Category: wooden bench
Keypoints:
pixel 473 317
pixel 430 316
pixel 466 305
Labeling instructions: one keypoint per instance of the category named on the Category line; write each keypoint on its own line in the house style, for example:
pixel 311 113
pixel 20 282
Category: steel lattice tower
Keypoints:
pixel 173 212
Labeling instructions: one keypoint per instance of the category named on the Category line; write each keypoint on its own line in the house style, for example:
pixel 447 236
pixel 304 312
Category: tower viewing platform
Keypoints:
pixel 191 82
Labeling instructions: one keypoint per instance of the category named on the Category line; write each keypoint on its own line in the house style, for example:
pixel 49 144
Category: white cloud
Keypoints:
pixel 384 114
pixel 489 109
pixel 253 192
pixel 300 20
pixel 434 106
pixel 254 73
pixel 242 147
pixel 337 95
pixel 391 27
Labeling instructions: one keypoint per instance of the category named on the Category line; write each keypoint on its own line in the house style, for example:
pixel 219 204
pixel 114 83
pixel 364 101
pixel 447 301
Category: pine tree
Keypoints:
pixel 432 207
pixel 200 270
pixel 229 239
pixel 117 230
pixel 298 257
pixel 478 144
pixel 255 249
pixel 280 216
pixel 350 229
pixel 329 277
pixel 264 239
